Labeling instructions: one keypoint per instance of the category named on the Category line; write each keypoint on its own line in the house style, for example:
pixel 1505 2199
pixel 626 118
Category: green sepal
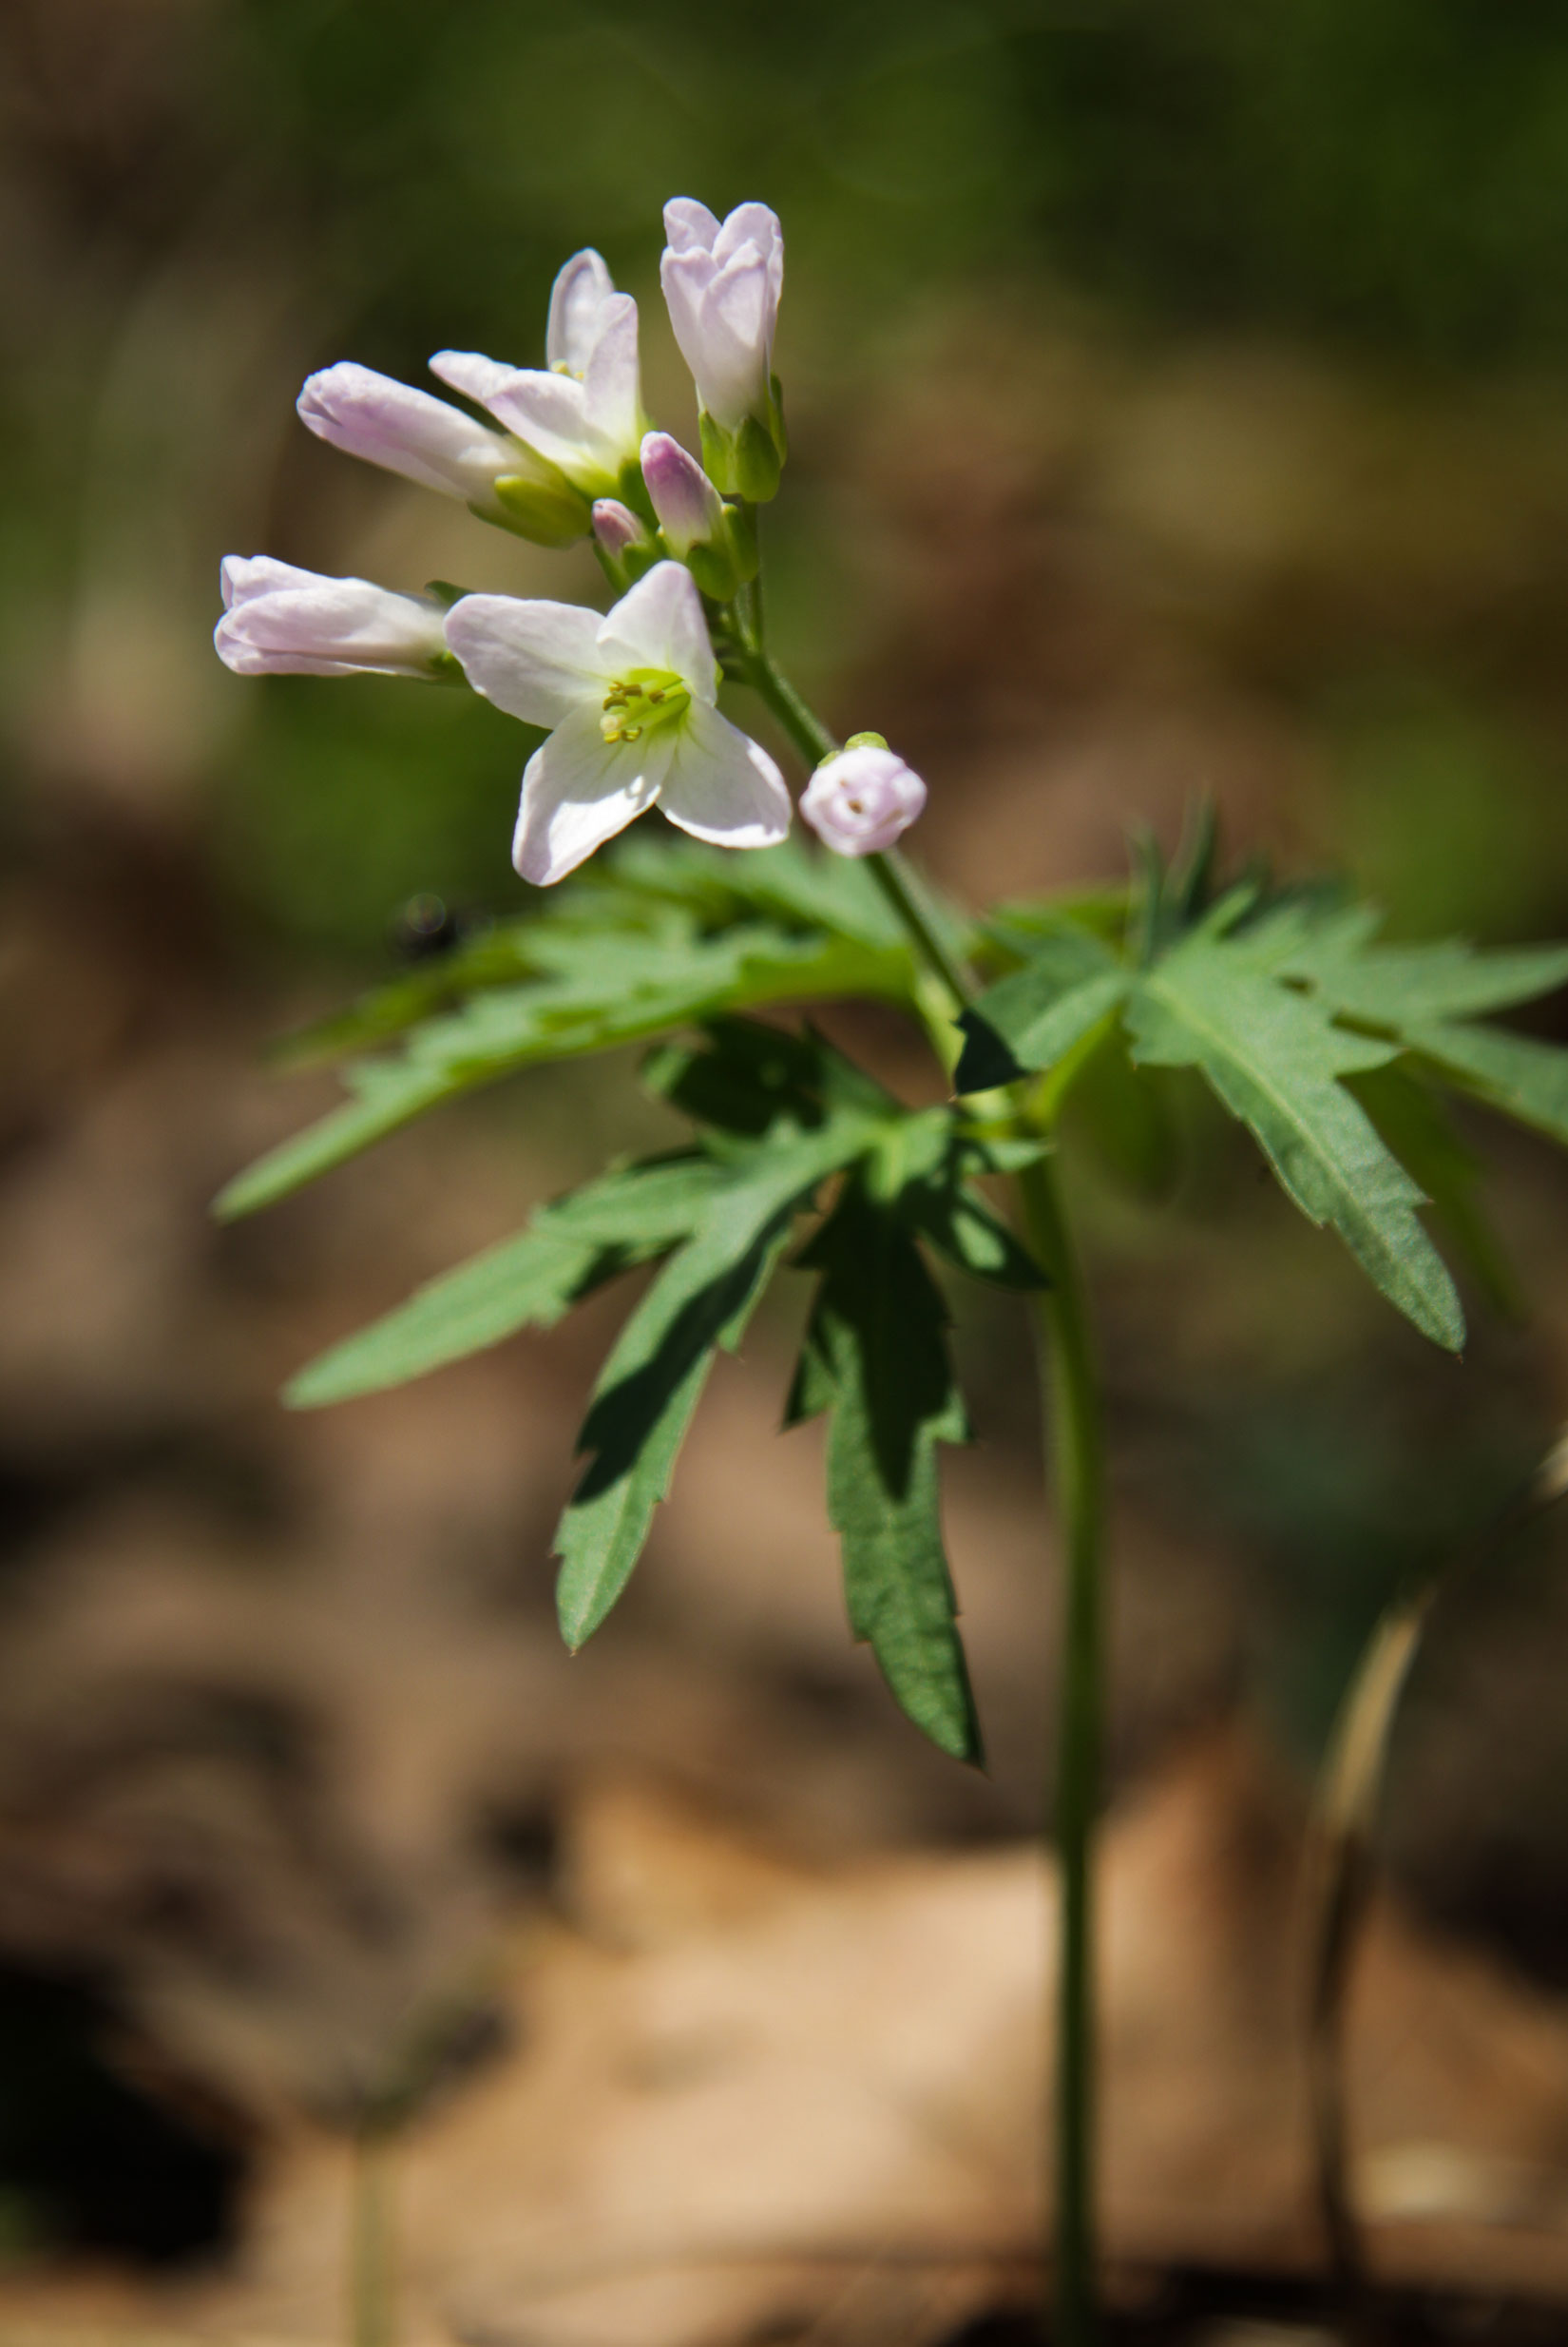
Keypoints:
pixel 546 512
pixel 746 463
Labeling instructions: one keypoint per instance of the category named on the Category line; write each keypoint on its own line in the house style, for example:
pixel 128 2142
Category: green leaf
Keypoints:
pixel 651 1383
pixel 1274 1056
pixel 1409 1118
pixel 875 1356
pixel 529 1281
pixel 1033 1018
pixel 1526 1079
pixel 599 990
pixel 742 1077
pixel 1402 986
pixel 798 887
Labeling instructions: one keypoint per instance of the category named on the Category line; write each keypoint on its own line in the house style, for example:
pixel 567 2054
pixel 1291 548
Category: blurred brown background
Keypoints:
pixel 1176 405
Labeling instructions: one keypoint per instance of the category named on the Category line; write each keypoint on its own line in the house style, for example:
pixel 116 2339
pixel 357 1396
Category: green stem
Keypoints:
pixel 1074 1433
pixel 1076 1439
pixel 814 742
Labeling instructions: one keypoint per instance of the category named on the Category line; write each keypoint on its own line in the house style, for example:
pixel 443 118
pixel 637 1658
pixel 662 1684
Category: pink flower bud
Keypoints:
pixel 406 431
pixel 690 510
pixel 280 621
pixel 616 530
pixel 859 800
pixel 722 281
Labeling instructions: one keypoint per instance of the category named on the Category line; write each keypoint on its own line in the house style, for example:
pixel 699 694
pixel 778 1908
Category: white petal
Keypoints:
pixel 549 411
pixel 689 226
pixel 738 297
pixel 685 278
pixel 471 372
pixel 723 786
pixel 245 576
pixel 753 224
pixel 659 624
pixel 580 290
pixel 300 622
pixel 579 790
pixel 613 392
pixel 537 661
pixel 392 424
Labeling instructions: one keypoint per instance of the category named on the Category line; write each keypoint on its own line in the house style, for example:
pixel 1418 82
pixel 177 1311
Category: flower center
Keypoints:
pixel 641 700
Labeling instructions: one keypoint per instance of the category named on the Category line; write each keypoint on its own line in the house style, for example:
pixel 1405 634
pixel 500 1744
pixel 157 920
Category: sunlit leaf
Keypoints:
pixel 529 1281
pixel 875 1357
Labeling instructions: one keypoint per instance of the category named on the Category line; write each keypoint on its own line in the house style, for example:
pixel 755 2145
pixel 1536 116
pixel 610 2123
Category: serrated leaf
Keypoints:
pixel 652 1381
pixel 796 885
pixel 1402 986
pixel 875 1356
pixel 1525 1078
pixel 569 1248
pixel 1409 1118
pixel 965 1230
pixel 1033 1018
pixel 742 1077
pixel 598 991
pixel 1274 1056
pixel 1015 929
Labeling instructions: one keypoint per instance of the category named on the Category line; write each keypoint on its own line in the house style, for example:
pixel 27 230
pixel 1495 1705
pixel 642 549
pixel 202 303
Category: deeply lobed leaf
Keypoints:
pixel 1293 1015
pixel 875 1357
pixel 569 1248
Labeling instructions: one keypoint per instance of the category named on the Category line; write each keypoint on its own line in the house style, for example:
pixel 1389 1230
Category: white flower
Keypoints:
pixel 431 442
pixel 859 800
pixel 722 284
pixel 582 412
pixel 279 620
pixel 631 700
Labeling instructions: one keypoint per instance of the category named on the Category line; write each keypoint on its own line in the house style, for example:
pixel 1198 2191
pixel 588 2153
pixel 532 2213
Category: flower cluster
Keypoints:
pixel 562 453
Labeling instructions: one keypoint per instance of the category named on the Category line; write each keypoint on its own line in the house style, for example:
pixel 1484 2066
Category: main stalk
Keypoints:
pixel 1075 1440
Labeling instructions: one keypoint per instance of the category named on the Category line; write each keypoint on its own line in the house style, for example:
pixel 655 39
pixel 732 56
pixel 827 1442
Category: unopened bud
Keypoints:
pixel 278 620
pixel 695 525
pixel 861 798
pixel 722 281
pixel 623 542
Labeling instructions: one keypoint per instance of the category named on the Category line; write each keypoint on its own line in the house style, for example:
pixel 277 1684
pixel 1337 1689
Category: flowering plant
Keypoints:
pixel 1333 1050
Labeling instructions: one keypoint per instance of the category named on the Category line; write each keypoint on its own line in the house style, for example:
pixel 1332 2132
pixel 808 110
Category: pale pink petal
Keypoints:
pixel 245 576
pixel 723 786
pixel 689 226
pixel 549 411
pixel 750 223
pixel 612 389
pixel 580 292
pixel 471 372
pixel 659 624
pixel 281 621
pixel 392 424
pixel 689 508
pixel 861 799
pixel 685 278
pixel 738 297
pixel 537 661
pixel 579 790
